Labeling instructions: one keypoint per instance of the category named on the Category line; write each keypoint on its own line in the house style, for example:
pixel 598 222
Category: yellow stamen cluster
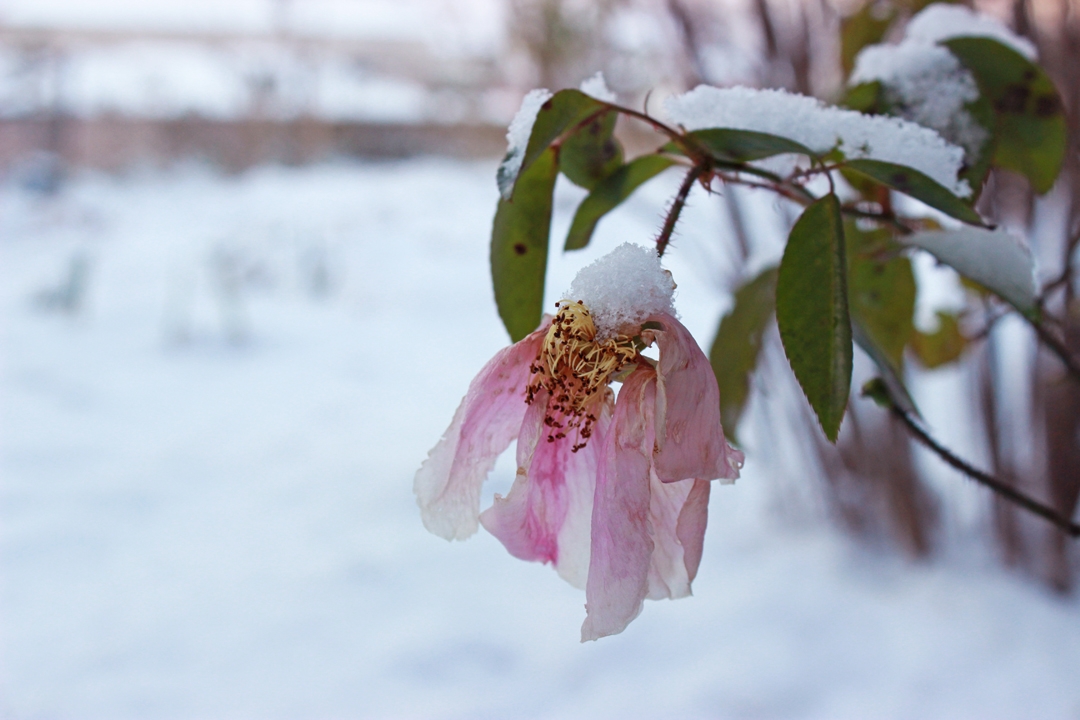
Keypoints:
pixel 574 368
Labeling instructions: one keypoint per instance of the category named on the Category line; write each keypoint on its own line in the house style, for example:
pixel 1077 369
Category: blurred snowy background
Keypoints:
pixel 232 327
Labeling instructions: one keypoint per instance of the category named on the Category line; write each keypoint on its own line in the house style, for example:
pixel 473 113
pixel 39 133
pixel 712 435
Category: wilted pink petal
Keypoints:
pixel 690 441
pixel 621 541
pixel 548 512
pixel 691 528
pixel 447 486
pixel 668 576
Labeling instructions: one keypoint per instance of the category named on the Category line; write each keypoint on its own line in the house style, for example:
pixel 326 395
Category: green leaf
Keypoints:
pixel 914 183
pixel 1031 132
pixel 592 153
pixel 609 192
pixel 941 347
pixel 728 145
pixel 881 291
pixel 865 97
pixel 812 311
pixel 865 27
pixel 563 111
pixel 519 247
pixel 735 350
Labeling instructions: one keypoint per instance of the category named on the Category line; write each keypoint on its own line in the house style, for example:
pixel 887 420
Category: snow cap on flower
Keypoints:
pixel 624 288
pixel 942 21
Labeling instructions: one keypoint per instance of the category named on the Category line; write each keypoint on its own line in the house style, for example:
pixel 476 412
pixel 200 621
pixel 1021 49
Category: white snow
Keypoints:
pixel 927 85
pixel 822 128
pixel 517 138
pixel 943 21
pixel 623 288
pixel 596 87
pixel 205 487
pixel 996 259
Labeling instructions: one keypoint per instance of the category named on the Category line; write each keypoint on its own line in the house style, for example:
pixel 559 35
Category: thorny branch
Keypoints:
pixel 677 206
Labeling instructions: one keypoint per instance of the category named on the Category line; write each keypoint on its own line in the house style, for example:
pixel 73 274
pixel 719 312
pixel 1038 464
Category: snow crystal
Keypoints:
pixel 821 128
pixel 623 288
pixel 517 139
pixel 941 22
pixel 925 84
pixel 596 87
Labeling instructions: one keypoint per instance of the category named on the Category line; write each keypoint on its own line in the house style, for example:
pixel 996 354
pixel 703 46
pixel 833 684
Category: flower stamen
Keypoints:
pixel 574 368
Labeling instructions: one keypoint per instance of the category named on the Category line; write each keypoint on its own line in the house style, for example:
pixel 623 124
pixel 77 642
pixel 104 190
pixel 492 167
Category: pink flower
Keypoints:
pixel 614 494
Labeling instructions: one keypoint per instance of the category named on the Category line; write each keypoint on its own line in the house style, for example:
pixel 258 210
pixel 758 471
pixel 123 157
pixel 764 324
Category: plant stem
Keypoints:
pixel 1001 488
pixel 1056 346
pixel 677 206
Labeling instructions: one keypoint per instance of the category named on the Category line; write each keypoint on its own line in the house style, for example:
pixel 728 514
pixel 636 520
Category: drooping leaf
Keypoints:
pixel 734 353
pixel 812 311
pixel 865 27
pixel 609 192
pixel 592 153
pixel 1031 132
pixel 562 112
pixel 919 186
pixel 998 261
pixel 519 247
pixel 941 347
pixel 891 375
pixel 728 145
pixel 881 290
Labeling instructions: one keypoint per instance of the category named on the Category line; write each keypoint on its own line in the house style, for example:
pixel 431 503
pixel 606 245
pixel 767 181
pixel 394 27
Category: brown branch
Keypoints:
pixel 1056 346
pixel 1000 487
pixel 677 206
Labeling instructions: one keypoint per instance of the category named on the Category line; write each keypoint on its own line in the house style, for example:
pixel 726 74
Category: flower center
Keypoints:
pixel 575 368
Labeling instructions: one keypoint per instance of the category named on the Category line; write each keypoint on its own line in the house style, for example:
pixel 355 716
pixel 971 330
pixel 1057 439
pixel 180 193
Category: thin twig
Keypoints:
pixel 1056 346
pixel 998 486
pixel 677 205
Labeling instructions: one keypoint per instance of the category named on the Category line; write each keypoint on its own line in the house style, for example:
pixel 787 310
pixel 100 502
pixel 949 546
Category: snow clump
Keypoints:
pixel 924 82
pixel 623 289
pixel 517 139
pixel 821 128
pixel 942 22
pixel 927 85
pixel 596 87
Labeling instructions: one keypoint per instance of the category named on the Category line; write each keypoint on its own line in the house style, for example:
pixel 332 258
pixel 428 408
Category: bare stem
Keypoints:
pixel 677 206
pixel 1001 488
pixel 1056 346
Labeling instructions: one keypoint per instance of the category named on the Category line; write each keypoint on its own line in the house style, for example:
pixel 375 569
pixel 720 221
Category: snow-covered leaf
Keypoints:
pixel 542 119
pixel 1031 132
pixel 822 128
pixel 995 259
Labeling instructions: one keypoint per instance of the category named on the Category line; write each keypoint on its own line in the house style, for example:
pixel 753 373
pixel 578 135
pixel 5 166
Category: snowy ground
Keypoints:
pixel 205 489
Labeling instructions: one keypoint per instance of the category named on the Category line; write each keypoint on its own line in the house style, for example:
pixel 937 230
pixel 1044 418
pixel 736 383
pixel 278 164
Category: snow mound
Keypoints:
pixel 821 128
pixel 623 289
